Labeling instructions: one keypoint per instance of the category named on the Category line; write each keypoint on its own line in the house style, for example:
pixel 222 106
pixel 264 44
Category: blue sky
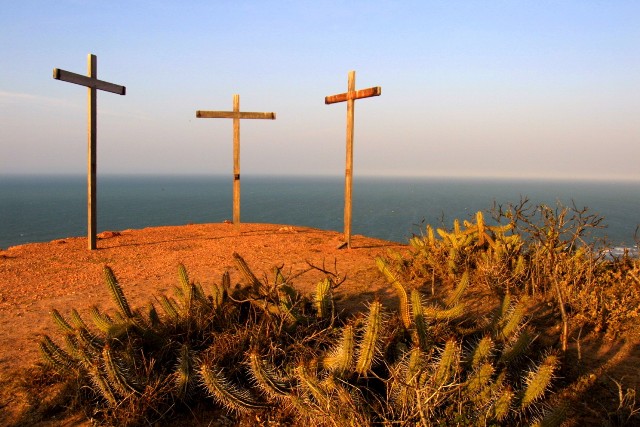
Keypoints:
pixel 469 88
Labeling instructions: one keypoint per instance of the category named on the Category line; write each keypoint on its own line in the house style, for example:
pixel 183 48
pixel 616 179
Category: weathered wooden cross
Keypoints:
pixel 350 96
pixel 91 81
pixel 236 115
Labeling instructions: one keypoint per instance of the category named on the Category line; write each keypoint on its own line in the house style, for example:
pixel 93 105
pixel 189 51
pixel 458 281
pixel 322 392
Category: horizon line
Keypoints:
pixel 527 177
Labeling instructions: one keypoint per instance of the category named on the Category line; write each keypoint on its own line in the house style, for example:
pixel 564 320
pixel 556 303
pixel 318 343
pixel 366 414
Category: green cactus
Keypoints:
pixel 482 351
pixel 538 380
pixel 225 392
pixel 368 346
pixel 116 292
pixel 399 289
pixel 267 378
pixel 55 356
pixel 340 359
pixel 419 320
pixel 454 298
pixel 185 372
pixel 324 299
pixel 447 365
pixel 247 273
pixel 262 347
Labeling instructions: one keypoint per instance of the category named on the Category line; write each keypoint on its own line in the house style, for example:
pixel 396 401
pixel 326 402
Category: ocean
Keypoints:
pixel 45 208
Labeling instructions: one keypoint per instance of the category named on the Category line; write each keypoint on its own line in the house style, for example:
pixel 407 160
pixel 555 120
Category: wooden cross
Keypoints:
pixel 350 96
pixel 93 84
pixel 236 115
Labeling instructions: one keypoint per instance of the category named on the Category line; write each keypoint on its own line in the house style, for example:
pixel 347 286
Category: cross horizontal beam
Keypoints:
pixel 358 94
pixel 234 115
pixel 90 82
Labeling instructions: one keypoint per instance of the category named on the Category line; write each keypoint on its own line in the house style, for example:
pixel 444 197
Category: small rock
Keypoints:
pixel 107 234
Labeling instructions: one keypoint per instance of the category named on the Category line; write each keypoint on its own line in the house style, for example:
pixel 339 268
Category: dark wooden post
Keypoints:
pixel 93 84
pixel 236 115
pixel 350 96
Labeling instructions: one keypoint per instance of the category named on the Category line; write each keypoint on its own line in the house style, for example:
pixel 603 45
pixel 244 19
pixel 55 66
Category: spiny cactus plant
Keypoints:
pixel 262 346
pixel 474 374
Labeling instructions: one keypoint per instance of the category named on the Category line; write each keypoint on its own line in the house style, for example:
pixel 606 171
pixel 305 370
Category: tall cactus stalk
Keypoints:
pixel 419 320
pixel 399 289
pixel 459 291
pixel 368 345
pixel 448 364
pixel 117 293
pixel 538 380
pixel 340 358
pixel 247 273
pixel 324 299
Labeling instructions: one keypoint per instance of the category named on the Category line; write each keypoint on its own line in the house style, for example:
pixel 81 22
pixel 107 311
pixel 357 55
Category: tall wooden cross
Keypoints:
pixel 236 115
pixel 93 84
pixel 350 96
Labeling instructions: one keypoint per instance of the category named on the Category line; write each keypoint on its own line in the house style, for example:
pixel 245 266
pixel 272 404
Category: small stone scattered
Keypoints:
pixel 108 234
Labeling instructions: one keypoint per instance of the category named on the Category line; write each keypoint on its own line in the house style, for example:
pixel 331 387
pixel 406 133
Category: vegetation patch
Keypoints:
pixel 466 342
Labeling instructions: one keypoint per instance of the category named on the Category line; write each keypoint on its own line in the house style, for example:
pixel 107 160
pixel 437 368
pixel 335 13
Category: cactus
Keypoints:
pixel 398 288
pixel 226 393
pixel 117 375
pixel 103 387
pixel 267 378
pixel 538 380
pixel 459 291
pixel 64 326
pixel 340 359
pixel 421 332
pixel 102 321
pixel 447 364
pixel 116 293
pixel 184 278
pixel 368 347
pixel 55 356
pixel 516 347
pixel 262 347
pixel 169 306
pixel 478 384
pixel 310 382
pixel 502 406
pixel 407 378
pixel 438 313
pixel 218 294
pixel 512 321
pixel 247 273
pixel 482 352
pixel 324 299
pixel 185 371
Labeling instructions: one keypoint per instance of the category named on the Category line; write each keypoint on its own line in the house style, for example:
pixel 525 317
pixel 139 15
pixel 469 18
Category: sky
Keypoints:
pixel 533 89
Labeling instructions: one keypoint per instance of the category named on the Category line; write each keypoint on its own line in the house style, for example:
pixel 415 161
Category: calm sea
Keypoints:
pixel 43 208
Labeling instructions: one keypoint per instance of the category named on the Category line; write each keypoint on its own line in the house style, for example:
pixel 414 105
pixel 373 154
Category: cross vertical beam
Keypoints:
pixel 350 96
pixel 93 85
pixel 92 157
pixel 236 161
pixel 236 115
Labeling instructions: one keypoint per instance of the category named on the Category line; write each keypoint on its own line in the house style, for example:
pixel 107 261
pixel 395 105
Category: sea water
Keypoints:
pixel 44 208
